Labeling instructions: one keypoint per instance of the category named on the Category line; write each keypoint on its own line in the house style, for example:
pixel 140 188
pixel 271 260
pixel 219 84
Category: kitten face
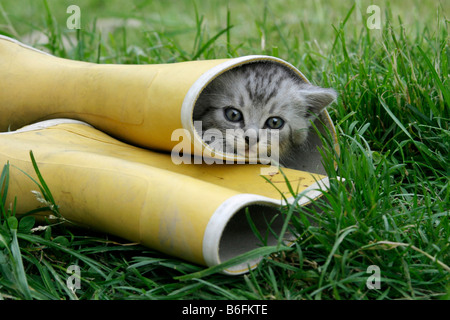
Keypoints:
pixel 256 104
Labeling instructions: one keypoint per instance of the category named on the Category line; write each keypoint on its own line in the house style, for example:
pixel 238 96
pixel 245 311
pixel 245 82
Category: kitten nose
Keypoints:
pixel 254 139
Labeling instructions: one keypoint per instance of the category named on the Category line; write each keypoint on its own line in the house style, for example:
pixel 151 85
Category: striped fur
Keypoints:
pixel 261 90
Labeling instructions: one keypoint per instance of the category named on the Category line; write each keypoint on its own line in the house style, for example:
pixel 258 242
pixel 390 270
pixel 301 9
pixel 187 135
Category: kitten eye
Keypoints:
pixel 233 114
pixel 275 123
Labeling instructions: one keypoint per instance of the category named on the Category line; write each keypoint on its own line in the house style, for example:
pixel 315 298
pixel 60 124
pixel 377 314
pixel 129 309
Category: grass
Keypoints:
pixel 392 116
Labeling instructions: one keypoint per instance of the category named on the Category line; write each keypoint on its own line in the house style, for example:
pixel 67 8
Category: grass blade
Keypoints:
pixel 18 268
pixel 210 42
pixel 251 255
pixel 444 89
pixel 4 182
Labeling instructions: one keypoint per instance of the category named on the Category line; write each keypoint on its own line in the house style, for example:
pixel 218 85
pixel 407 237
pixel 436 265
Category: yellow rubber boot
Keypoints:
pixel 140 104
pixel 189 210
pixel 194 212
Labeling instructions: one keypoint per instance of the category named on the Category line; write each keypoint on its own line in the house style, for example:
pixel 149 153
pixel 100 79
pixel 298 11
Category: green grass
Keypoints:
pixel 392 119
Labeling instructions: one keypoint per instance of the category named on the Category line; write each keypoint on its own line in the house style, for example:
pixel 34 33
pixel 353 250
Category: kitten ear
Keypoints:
pixel 318 98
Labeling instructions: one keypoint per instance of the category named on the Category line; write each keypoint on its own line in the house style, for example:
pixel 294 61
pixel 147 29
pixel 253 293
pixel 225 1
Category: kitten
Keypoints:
pixel 255 96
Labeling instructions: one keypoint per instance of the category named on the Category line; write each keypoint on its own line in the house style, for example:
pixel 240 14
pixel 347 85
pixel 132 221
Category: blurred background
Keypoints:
pixel 173 29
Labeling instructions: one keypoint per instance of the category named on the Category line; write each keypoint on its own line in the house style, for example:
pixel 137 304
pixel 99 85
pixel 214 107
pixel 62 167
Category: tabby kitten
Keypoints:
pixel 256 103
